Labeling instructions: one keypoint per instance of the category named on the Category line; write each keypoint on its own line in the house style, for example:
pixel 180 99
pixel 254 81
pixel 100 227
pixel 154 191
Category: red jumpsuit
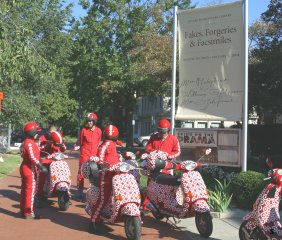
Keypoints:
pixel 89 141
pixel 28 171
pixel 107 152
pixel 49 148
pixel 170 145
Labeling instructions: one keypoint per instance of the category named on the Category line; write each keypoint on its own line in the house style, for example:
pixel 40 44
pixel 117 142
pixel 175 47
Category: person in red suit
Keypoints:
pixel 164 141
pixel 107 155
pixel 28 170
pixel 46 138
pixel 88 142
pixel 55 144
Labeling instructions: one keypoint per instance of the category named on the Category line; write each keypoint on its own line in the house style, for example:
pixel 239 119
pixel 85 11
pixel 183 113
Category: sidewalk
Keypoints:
pixel 225 227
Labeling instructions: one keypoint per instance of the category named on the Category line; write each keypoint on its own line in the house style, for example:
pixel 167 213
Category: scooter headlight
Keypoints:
pixel 190 166
pixel 59 156
pixel 124 167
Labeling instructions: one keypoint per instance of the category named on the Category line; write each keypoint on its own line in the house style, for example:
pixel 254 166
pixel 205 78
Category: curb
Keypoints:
pixel 230 213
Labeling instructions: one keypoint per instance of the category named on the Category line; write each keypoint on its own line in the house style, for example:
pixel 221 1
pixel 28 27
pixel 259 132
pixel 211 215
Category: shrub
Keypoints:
pixel 246 186
pixel 220 197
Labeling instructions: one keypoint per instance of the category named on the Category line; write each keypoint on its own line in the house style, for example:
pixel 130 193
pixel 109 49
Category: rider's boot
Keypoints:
pixel 95 228
pixel 80 195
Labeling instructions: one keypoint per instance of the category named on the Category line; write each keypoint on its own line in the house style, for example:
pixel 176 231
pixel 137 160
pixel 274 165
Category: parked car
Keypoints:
pixel 17 136
pixel 143 140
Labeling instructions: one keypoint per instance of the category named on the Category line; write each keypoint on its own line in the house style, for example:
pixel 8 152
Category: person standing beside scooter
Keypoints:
pixel 55 144
pixel 28 171
pixel 88 142
pixel 107 156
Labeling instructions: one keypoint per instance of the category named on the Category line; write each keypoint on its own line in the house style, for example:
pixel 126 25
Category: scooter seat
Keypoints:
pixel 167 179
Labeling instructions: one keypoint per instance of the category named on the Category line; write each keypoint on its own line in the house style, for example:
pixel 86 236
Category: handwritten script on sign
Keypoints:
pixel 205 92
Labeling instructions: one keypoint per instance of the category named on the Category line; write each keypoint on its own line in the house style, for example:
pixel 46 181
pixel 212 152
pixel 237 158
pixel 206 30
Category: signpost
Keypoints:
pixel 1 98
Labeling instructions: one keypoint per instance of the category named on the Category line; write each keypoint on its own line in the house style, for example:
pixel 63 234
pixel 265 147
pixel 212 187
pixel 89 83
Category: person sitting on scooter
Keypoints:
pixel 56 145
pixel 45 140
pixel 107 155
pixel 164 141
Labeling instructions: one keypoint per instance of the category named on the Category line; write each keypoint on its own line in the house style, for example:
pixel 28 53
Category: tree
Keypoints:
pixel 265 61
pixel 34 67
pixel 111 42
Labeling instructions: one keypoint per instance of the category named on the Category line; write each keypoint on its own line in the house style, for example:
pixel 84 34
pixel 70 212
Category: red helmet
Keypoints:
pixel 92 117
pixel 57 137
pixel 31 129
pixel 111 132
pixel 164 126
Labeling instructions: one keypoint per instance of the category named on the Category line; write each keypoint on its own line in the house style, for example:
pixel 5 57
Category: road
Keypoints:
pixel 72 224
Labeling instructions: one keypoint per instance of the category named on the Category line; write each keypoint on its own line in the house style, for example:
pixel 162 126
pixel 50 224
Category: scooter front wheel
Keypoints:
pixel 133 227
pixel 63 200
pixel 243 233
pixel 204 223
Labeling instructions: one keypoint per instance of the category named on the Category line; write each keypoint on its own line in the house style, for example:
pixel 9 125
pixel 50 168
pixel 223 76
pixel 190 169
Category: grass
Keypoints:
pixel 10 163
pixel 70 139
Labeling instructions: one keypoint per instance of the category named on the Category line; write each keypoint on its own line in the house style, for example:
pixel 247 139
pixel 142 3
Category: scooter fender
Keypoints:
pixel 200 206
pixel 59 172
pixel 130 209
pixel 92 196
pixel 125 191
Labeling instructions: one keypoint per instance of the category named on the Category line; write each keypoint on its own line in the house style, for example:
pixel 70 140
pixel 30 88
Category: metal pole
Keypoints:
pixel 245 120
pixel 174 70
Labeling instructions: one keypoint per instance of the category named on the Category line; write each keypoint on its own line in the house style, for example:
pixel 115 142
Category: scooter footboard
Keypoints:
pixel 130 209
pixel 200 206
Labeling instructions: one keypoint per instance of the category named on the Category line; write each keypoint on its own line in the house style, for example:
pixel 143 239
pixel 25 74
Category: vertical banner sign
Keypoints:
pixel 211 63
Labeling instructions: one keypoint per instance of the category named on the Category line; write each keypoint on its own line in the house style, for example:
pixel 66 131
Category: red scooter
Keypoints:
pixel 263 223
pixel 124 203
pixel 58 180
pixel 181 196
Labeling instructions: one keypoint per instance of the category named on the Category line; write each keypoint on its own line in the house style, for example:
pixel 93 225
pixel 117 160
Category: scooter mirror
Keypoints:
pixel 269 162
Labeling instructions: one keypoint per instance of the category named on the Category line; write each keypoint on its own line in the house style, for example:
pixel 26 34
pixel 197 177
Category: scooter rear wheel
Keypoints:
pixel 133 227
pixel 204 223
pixel 243 235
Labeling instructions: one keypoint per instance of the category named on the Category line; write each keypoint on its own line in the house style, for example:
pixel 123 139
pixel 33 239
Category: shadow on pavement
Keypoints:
pixel 168 230
pixel 15 186
pixel 10 194
pixel 10 213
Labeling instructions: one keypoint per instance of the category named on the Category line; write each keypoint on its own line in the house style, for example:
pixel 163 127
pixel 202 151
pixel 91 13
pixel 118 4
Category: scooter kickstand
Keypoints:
pixel 176 221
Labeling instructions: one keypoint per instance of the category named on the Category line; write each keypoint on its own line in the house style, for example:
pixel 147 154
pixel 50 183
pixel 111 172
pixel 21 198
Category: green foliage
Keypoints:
pixel 143 181
pixel 70 139
pixel 246 186
pixel 108 55
pixel 265 61
pixel 34 66
pixel 221 196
